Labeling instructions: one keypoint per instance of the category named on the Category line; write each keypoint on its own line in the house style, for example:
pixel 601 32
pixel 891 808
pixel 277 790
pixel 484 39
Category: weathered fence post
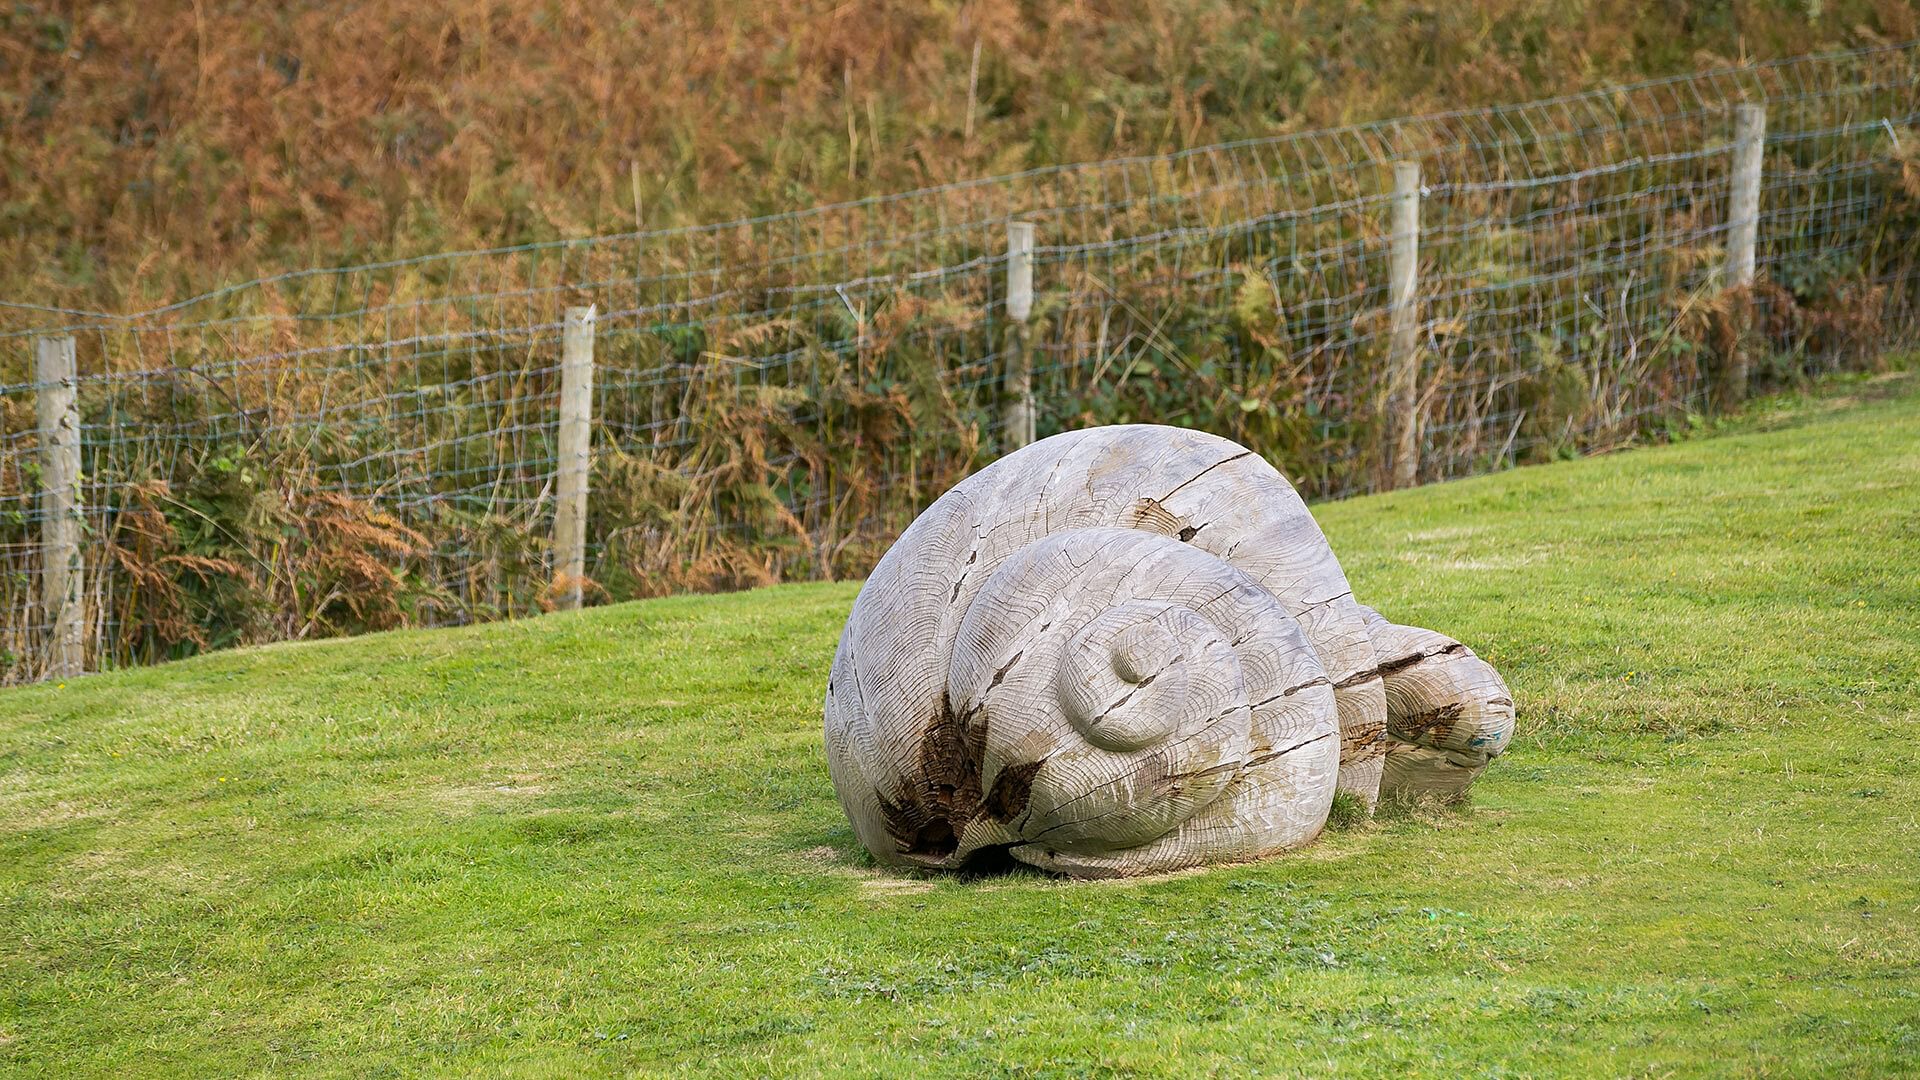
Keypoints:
pixel 1403 356
pixel 1743 230
pixel 61 568
pixel 576 457
pixel 1019 388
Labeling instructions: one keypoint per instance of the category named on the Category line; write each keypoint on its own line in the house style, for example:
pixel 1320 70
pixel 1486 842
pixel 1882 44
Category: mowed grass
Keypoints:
pixel 606 843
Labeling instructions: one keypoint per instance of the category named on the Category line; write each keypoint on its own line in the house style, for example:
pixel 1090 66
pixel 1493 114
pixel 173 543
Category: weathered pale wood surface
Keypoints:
pixel 1020 413
pixel 1403 348
pixel 62 568
pixel 1121 650
pixel 1448 712
pixel 575 464
pixel 1743 230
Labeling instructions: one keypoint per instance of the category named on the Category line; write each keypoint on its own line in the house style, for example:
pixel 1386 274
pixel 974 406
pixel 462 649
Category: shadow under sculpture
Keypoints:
pixel 1129 650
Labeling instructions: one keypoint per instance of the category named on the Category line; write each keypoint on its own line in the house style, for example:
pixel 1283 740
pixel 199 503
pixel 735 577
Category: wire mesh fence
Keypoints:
pixel 329 451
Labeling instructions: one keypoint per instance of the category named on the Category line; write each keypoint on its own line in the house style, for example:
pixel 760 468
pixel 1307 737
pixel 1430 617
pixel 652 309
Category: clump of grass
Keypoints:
pixel 1348 812
pixel 1425 808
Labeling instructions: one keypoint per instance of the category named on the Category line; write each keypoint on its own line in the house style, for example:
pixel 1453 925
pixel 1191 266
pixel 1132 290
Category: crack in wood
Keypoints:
pixel 1205 471
pixel 1276 754
pixel 1000 676
pixel 1318 680
pixel 1383 669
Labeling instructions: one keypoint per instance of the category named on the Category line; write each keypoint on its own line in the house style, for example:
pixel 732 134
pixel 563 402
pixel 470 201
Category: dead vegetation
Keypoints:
pixel 269 463
pixel 159 149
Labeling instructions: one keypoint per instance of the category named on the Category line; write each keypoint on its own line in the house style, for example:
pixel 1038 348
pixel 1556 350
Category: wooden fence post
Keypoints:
pixel 576 457
pixel 1403 356
pixel 1019 388
pixel 61 567
pixel 1743 231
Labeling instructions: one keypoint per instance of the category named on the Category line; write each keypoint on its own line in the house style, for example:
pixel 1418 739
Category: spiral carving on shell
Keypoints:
pixel 1128 650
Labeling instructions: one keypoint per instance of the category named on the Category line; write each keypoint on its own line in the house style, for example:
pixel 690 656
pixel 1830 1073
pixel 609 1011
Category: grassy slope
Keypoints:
pixel 607 842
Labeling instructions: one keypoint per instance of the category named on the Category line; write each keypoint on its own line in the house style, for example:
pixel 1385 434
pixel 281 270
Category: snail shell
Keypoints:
pixel 1125 650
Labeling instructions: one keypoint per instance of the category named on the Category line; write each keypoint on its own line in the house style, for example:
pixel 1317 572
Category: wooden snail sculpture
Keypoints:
pixel 1129 650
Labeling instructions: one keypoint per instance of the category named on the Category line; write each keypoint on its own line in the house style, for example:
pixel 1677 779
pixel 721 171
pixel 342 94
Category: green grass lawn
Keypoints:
pixel 605 842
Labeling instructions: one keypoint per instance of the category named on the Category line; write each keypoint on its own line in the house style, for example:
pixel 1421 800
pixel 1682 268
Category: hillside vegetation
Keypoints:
pixel 329 453
pixel 154 149
pixel 605 842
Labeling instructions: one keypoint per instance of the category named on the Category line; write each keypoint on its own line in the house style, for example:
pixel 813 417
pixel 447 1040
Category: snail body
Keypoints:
pixel 1127 650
